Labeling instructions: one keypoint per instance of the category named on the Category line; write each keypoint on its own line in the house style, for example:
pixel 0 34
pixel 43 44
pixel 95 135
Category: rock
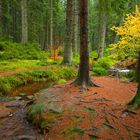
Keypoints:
pixel 18 98
pixel 30 97
pixel 25 137
pixel 14 104
pixel 23 94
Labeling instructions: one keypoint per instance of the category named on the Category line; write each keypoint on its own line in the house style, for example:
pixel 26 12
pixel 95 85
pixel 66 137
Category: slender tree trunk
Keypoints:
pixel 102 27
pixel 68 35
pixel 24 21
pixel 51 23
pixel 46 37
pixel 0 17
pixel 75 27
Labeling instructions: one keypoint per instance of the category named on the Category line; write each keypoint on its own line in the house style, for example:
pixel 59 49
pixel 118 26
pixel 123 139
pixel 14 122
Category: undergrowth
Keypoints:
pixel 55 74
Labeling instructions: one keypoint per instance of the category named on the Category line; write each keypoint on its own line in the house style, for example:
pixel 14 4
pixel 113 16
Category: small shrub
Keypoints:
pixel 76 60
pixel 93 55
pixel 35 111
pixel 66 73
pixel 100 71
pixel 105 63
pixel 102 66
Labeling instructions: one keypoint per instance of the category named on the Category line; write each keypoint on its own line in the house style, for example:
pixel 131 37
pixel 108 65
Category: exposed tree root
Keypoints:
pixel 135 102
pixel 84 85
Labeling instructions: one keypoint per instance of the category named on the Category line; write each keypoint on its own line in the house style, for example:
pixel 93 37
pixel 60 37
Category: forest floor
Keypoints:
pixel 96 114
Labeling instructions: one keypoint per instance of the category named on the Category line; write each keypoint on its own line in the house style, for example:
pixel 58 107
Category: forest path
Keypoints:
pixel 73 115
pixel 96 114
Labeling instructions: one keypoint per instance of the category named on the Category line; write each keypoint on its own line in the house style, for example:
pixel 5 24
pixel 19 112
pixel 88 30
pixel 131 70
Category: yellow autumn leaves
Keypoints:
pixel 129 32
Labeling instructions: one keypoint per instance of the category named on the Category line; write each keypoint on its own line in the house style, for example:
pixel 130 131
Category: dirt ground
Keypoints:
pixel 95 114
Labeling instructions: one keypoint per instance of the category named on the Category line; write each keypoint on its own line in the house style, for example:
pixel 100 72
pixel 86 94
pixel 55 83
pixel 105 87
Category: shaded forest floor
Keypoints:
pixel 73 115
pixel 96 114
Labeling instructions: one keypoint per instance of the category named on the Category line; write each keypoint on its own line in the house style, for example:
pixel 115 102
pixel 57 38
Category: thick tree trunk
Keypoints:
pixel 102 27
pixel 51 23
pixel 136 100
pixel 68 38
pixel 83 73
pixel 24 21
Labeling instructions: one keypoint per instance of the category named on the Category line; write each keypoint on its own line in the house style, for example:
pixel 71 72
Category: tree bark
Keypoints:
pixel 24 39
pixel 75 29
pixel 83 73
pixel 136 100
pixel 102 27
pixel 0 17
pixel 51 23
pixel 68 38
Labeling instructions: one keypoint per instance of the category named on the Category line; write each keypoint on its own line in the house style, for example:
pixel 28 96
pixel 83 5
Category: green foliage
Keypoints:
pixel 61 81
pixel 7 83
pixel 35 114
pixel 8 65
pixel 10 50
pixel 47 75
pixel 54 75
pixel 132 75
pixel 66 73
pixel 61 51
pixel 135 100
pixel 100 71
pixel 47 62
pixel 76 60
pixel 36 110
pixel 102 66
pixel 104 62
pixel 93 55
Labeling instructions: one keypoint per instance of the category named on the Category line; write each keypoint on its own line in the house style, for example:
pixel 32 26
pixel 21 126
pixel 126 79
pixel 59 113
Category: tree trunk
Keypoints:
pixel 51 23
pixel 68 38
pixel 136 100
pixel 83 73
pixel 0 18
pixel 102 27
pixel 75 27
pixel 24 21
